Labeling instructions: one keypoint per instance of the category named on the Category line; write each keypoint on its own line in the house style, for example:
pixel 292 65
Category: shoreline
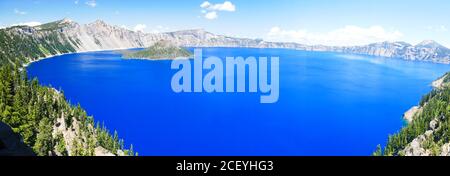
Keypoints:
pixel 77 52
pixel 437 84
pixel 159 59
pixel 296 49
pixel 411 112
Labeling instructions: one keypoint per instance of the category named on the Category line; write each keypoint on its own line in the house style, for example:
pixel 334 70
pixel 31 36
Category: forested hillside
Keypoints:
pixel 429 132
pixel 23 44
pixel 41 115
pixel 48 123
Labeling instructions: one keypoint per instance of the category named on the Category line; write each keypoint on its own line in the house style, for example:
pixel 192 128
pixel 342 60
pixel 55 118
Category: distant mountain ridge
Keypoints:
pixel 424 51
pixel 24 44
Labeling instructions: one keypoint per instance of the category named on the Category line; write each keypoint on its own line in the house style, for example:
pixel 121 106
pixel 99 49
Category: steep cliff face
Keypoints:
pixel 101 36
pixel 385 49
pixel 425 51
pixel 22 44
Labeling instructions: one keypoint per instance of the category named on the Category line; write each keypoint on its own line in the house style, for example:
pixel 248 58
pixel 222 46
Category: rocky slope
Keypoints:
pixel 65 36
pixel 424 51
pixel 425 144
pixel 42 119
pixel 11 144
pixel 22 44
pixel 428 129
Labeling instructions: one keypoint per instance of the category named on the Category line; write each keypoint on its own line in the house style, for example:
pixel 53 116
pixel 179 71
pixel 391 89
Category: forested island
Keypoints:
pixel 159 51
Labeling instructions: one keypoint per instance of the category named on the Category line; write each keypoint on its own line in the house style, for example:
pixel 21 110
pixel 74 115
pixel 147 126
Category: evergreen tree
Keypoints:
pixel 61 145
pixel 378 151
pixel 44 140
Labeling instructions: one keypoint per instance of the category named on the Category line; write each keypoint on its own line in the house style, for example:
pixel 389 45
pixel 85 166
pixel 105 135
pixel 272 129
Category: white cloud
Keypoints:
pixel 211 15
pixel 205 4
pixel 140 27
pixel 346 36
pixel 159 29
pixel 125 27
pixel 210 10
pixel 91 3
pixel 441 28
pixel 18 12
pixel 76 2
pixel 32 23
pixel 144 28
pixel 226 6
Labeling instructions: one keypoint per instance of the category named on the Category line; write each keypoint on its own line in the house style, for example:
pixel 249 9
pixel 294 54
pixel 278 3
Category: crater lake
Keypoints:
pixel 329 103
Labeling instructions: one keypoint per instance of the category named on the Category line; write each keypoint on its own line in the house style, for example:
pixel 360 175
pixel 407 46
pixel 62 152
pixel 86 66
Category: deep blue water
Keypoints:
pixel 330 104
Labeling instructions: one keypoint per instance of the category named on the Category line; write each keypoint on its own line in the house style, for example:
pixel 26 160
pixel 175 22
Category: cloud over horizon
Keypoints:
pixel 140 28
pixel 32 24
pixel 440 28
pixel 349 35
pixel 91 3
pixel 210 10
pixel 18 12
pixel 211 15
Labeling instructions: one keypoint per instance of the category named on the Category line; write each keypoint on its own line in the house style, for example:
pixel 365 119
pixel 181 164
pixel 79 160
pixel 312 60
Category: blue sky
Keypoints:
pixel 331 22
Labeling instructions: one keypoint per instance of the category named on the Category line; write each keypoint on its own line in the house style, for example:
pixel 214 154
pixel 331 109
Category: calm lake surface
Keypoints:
pixel 330 104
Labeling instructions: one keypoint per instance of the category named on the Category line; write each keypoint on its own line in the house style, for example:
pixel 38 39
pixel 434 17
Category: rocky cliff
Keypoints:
pixel 11 144
pixel 425 51
pixel 427 132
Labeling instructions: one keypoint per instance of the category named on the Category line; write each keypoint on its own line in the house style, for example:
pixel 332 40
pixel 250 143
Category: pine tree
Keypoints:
pixel 44 140
pixel 61 145
pixel 131 153
pixel 378 151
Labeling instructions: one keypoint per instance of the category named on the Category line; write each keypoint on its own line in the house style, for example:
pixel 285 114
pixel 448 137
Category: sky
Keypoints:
pixel 327 22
